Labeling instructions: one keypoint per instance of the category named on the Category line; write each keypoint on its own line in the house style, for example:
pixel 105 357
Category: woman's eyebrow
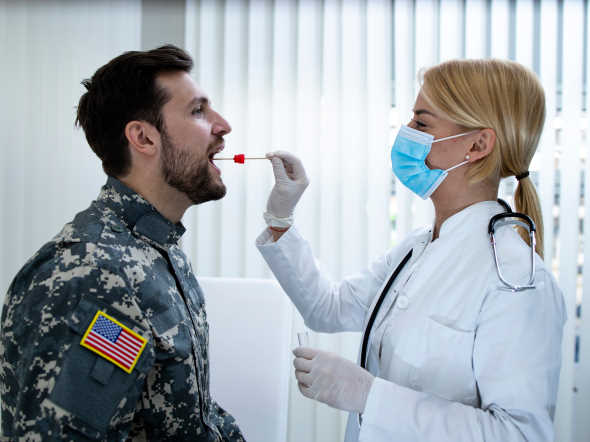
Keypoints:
pixel 423 111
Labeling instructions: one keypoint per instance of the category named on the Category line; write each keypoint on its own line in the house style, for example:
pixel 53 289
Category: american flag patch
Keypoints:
pixel 113 341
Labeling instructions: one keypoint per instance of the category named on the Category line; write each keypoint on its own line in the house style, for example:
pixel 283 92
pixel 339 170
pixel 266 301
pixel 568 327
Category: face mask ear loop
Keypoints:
pixel 455 136
pixel 458 165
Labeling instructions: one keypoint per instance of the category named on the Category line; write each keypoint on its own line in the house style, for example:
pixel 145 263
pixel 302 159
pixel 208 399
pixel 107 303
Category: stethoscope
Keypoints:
pixel 510 218
pixel 502 219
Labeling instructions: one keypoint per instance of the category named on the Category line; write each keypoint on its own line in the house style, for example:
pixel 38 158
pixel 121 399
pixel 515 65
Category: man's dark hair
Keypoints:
pixel 124 90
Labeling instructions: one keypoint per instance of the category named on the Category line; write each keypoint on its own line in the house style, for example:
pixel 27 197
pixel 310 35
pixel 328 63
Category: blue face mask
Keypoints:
pixel 410 149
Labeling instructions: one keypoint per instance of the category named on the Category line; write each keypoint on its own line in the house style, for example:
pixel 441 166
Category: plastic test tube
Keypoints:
pixel 303 338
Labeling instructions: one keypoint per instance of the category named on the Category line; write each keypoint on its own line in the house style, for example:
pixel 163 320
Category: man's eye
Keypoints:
pixel 197 111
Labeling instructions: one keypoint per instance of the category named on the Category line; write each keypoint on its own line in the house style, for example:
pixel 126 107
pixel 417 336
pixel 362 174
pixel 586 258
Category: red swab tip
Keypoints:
pixel 240 158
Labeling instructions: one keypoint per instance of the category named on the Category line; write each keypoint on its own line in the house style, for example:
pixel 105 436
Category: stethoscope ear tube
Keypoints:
pixel 530 223
pixel 506 218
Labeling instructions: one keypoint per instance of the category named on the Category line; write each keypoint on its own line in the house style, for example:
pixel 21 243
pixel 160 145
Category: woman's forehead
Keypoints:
pixel 422 107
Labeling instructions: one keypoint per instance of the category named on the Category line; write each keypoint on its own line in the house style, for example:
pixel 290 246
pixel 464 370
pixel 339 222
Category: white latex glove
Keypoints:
pixel 290 183
pixel 331 379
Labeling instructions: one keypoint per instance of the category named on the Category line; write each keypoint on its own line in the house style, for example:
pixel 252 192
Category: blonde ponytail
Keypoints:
pixel 527 201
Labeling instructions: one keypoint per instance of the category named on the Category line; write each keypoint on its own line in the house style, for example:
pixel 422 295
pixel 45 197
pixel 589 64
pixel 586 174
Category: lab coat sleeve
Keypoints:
pixel 325 305
pixel 516 362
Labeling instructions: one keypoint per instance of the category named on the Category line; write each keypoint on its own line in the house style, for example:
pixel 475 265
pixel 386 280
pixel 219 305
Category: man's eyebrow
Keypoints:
pixel 198 100
pixel 423 111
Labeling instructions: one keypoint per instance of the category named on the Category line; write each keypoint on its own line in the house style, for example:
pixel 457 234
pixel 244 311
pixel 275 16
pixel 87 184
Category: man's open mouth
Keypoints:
pixel 212 156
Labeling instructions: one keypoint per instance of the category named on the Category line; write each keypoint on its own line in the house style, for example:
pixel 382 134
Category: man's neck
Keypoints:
pixel 169 202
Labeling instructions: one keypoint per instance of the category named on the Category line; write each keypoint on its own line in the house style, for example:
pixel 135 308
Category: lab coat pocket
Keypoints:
pixel 441 360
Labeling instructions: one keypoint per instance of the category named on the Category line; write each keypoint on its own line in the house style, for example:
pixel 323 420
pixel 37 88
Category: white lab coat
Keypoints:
pixel 457 356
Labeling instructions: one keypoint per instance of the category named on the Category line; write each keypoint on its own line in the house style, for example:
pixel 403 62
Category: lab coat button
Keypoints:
pixel 402 302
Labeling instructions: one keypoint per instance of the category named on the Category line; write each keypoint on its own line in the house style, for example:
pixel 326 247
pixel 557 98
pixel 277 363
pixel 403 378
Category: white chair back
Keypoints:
pixel 250 355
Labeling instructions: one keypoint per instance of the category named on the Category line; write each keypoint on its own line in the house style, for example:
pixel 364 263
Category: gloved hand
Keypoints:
pixel 331 379
pixel 290 183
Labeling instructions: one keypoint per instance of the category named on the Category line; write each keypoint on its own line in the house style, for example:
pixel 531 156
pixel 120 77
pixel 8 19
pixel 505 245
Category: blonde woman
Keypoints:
pixel 451 352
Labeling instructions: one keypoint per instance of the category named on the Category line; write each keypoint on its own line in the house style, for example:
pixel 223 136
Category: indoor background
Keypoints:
pixel 330 80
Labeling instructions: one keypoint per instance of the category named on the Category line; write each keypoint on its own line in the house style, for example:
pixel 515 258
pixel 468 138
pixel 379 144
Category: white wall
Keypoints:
pixel 48 173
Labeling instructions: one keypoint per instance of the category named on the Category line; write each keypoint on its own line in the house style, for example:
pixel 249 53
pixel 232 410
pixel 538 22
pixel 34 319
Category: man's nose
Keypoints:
pixel 221 126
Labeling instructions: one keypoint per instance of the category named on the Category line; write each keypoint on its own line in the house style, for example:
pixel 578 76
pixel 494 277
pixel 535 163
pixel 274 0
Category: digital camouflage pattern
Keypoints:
pixel 122 257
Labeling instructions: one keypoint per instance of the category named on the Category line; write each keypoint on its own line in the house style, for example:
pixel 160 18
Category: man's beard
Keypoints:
pixel 187 175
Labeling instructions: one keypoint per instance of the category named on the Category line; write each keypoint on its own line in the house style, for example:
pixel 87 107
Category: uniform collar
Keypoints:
pixel 138 214
pixel 471 218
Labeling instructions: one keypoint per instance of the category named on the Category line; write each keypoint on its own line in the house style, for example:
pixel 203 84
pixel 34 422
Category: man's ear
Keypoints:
pixel 483 145
pixel 143 137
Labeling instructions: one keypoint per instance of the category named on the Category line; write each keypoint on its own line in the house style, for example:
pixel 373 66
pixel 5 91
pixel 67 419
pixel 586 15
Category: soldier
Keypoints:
pixel 104 332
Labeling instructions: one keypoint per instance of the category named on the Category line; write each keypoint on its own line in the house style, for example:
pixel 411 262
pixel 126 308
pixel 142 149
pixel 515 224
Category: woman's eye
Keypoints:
pixel 197 111
pixel 419 124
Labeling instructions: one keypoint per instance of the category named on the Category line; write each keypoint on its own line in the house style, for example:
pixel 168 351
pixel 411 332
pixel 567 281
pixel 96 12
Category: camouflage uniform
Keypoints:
pixel 119 256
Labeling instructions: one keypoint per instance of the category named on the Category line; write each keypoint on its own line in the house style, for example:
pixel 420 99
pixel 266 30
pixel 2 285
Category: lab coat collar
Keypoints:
pixel 470 218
